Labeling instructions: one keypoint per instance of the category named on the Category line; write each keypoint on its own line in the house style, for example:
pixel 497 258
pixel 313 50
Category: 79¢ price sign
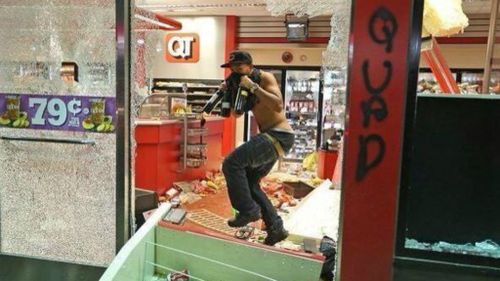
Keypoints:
pixel 67 113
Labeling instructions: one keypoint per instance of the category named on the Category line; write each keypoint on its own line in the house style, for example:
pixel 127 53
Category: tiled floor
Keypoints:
pixel 210 220
pixel 217 203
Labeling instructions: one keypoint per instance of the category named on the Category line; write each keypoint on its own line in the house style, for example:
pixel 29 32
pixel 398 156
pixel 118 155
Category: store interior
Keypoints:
pixel 179 199
pixel 305 186
pixel 296 186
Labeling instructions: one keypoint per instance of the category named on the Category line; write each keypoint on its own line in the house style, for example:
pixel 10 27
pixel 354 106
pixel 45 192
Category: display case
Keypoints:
pixel 474 81
pixel 197 91
pixel 427 82
pixel 163 106
pixel 470 81
pixel 303 109
pixel 334 105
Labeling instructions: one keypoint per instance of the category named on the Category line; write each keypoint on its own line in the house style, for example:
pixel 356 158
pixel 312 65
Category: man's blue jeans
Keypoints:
pixel 246 166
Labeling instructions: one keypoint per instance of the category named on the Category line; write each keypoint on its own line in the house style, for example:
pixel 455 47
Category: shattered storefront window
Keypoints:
pixel 487 248
pixel 57 200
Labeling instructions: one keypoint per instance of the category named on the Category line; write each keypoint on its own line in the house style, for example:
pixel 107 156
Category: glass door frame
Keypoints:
pixel 28 268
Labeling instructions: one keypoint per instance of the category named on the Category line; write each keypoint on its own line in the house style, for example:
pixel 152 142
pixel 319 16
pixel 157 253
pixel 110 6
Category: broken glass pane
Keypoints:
pixel 57 201
pixel 487 248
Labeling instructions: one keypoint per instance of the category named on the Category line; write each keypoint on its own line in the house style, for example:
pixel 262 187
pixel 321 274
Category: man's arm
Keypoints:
pixel 268 91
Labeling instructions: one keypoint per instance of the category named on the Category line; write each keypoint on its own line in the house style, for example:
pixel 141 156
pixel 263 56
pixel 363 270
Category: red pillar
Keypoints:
pixel 383 66
pixel 229 135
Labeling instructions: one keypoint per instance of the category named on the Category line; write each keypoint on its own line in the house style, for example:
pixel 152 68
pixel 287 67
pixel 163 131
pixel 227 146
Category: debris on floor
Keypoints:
pixel 289 245
pixel 191 191
pixel 189 197
pixel 487 248
pixel 277 186
pixel 178 276
pixel 176 216
pixel 245 232
pixel 310 162
pixel 288 191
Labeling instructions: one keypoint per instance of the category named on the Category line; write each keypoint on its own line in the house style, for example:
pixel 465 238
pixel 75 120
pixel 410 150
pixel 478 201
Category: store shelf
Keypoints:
pixel 291 159
pixel 199 95
pixel 194 132
pixel 302 113
pixel 189 87
pixel 198 91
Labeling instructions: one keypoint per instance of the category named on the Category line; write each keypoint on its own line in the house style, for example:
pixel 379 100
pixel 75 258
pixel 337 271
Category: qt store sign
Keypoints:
pixel 182 47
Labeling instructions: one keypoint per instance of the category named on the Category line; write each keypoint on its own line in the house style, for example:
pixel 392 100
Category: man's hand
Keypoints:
pixel 223 86
pixel 246 82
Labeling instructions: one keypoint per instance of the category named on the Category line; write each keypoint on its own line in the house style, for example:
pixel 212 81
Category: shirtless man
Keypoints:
pixel 253 160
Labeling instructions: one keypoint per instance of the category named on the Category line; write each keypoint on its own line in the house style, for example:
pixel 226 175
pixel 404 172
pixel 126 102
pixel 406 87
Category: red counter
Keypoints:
pixel 157 164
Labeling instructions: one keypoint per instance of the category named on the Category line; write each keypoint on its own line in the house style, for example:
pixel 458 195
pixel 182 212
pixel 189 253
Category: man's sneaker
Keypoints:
pixel 275 236
pixel 243 219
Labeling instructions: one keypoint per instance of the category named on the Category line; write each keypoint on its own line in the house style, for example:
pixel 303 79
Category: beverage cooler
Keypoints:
pixel 303 101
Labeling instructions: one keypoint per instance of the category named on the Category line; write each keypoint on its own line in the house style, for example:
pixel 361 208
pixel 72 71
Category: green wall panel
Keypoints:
pixel 213 259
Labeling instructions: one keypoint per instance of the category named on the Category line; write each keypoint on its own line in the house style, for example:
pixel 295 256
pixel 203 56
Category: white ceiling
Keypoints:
pixel 214 7
pixel 476 6
pixel 253 7
pixel 206 7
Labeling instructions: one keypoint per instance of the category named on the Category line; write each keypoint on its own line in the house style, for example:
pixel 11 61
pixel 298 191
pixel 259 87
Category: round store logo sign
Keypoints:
pixel 182 47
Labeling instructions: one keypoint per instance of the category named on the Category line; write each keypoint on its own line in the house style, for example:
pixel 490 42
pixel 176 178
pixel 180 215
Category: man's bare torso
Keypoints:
pixel 267 118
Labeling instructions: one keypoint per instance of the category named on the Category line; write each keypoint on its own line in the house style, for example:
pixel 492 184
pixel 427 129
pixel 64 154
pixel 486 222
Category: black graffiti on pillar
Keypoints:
pixel 366 77
pixel 389 27
pixel 375 106
pixel 382 29
pixel 365 164
pixel 379 112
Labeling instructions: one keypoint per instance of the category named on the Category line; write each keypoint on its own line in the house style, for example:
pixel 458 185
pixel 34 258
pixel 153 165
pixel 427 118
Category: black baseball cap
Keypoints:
pixel 237 57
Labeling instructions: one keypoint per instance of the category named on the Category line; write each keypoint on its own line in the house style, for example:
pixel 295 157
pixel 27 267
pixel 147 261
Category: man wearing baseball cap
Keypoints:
pixel 253 160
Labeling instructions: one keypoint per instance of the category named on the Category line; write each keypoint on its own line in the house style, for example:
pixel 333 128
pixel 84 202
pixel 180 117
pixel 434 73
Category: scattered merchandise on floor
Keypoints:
pixel 310 162
pixel 178 276
pixel 173 276
pixel 176 215
pixel 188 192
pixel 308 205
pixel 245 232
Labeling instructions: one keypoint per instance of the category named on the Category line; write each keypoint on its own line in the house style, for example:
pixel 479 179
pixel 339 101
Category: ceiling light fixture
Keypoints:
pixel 297 29
pixel 204 6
